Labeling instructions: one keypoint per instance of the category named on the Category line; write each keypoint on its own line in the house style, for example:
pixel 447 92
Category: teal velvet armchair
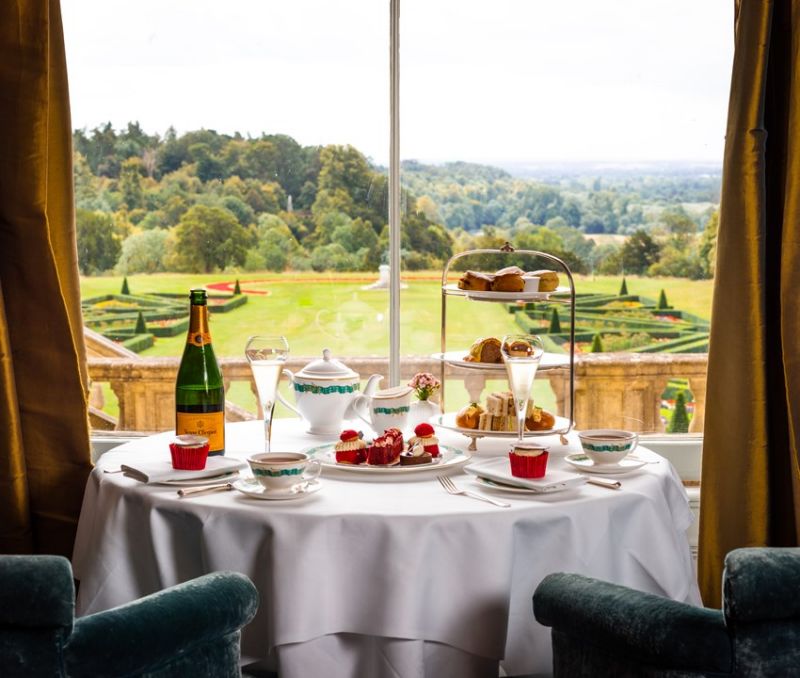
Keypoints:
pixel 601 629
pixel 192 629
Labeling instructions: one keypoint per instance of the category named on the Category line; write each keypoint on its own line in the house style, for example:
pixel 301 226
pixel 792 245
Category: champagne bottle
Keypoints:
pixel 199 391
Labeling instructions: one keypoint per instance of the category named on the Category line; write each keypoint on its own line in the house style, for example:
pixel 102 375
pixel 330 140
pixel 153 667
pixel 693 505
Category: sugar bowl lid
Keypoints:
pixel 327 368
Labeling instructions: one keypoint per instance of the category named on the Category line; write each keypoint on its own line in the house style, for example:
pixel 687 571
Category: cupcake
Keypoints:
pixel 189 452
pixel 528 460
pixel 427 437
pixel 350 449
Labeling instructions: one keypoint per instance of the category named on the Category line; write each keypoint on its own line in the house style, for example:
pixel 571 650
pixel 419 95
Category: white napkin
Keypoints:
pixel 499 470
pixel 161 471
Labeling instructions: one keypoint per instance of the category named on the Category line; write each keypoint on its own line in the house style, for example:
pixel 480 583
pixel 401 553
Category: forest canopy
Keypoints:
pixel 204 201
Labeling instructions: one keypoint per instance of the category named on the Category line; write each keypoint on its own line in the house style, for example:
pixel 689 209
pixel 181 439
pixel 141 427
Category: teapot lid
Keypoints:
pixel 327 368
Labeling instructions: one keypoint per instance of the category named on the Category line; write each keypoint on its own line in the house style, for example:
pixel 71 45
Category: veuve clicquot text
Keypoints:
pixel 199 391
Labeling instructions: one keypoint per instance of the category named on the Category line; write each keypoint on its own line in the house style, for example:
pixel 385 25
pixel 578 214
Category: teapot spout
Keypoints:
pixel 372 384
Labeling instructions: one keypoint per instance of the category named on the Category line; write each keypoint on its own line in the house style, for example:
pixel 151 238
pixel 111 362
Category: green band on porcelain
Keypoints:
pixel 333 388
pixel 607 448
pixel 277 474
pixel 391 410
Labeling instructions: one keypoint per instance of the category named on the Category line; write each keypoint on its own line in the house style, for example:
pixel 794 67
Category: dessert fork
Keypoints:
pixel 451 488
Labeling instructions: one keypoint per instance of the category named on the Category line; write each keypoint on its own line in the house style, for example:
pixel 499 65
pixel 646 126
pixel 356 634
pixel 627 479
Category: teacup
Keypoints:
pixel 385 409
pixel 281 471
pixel 608 445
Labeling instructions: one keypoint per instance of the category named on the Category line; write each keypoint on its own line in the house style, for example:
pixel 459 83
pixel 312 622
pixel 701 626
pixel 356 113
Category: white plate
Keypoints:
pixel 207 480
pixel 549 361
pixel 449 457
pixel 448 421
pixel 499 470
pixel 252 488
pixel 582 462
pixel 479 295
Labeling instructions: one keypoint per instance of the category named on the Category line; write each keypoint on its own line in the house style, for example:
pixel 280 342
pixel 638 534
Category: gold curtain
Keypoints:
pixel 44 436
pixel 750 481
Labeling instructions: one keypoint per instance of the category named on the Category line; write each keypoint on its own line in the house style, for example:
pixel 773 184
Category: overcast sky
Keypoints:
pixel 482 80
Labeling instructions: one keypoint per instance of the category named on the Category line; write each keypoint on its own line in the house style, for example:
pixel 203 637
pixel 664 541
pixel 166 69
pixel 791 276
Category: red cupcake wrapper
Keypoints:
pixel 188 458
pixel 528 467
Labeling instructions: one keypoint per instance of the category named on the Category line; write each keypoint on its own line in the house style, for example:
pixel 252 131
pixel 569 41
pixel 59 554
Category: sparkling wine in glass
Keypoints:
pixel 267 356
pixel 521 355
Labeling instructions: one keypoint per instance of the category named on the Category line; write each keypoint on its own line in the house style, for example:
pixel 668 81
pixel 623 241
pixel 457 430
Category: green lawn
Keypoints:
pixel 317 310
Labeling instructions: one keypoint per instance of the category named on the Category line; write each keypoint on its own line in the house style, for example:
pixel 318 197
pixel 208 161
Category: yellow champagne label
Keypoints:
pixel 211 425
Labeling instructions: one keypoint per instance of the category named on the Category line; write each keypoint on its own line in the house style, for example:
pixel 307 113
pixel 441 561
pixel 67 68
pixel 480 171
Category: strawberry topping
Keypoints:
pixel 349 434
pixel 424 430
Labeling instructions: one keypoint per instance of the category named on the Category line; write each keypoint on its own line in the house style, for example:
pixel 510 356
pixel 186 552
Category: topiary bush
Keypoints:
pixel 679 422
pixel 623 289
pixel 597 344
pixel 125 289
pixel 555 322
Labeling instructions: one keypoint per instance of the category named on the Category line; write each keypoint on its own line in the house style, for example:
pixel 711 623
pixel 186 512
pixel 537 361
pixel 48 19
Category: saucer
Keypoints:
pixel 582 462
pixel 252 488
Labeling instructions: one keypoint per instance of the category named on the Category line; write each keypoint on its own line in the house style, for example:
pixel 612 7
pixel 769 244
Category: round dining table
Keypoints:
pixel 384 574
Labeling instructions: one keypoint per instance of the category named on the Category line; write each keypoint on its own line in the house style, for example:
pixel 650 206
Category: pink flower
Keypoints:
pixel 425 384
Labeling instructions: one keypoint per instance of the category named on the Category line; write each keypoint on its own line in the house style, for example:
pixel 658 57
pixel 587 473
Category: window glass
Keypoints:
pixel 592 131
pixel 239 146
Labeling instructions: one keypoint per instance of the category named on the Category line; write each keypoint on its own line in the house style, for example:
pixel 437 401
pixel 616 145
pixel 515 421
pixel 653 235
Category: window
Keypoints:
pixel 593 131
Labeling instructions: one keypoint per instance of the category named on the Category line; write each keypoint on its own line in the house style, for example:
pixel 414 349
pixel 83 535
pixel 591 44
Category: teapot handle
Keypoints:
pixel 283 400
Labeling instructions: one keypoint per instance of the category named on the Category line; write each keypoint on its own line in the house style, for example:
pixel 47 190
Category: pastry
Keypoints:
pixel 548 280
pixel 528 460
pixel 485 351
pixel 467 417
pixel 426 438
pixel 539 420
pixel 472 280
pixel 516 270
pixel 410 459
pixel 508 282
pixel 519 349
pixel 350 449
pixel 386 449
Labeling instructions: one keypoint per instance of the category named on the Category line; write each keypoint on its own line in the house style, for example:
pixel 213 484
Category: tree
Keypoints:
pixel 130 183
pixel 98 245
pixel 597 344
pixel 555 322
pixel 125 289
pixel 143 252
pixel 679 422
pixel 708 245
pixel 639 252
pixel 209 238
pixel 623 288
pixel 141 325
pixel 662 301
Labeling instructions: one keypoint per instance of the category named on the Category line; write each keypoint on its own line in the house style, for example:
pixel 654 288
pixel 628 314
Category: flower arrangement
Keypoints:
pixel 425 385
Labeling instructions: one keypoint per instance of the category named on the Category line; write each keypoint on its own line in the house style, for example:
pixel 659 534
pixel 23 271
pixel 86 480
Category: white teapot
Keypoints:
pixel 324 391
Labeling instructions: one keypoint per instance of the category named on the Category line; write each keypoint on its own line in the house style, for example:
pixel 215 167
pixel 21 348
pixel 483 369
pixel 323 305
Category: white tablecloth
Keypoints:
pixel 394 560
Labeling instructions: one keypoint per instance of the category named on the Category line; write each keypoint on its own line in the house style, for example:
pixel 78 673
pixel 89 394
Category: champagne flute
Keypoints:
pixel 267 355
pixel 521 354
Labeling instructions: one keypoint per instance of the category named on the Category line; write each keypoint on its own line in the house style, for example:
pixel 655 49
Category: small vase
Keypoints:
pixel 421 411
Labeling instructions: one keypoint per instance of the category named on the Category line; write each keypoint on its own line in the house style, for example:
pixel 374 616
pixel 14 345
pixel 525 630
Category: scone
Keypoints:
pixel 467 417
pixel 510 269
pixel 472 280
pixel 508 282
pixel 539 420
pixel 485 350
pixel 548 280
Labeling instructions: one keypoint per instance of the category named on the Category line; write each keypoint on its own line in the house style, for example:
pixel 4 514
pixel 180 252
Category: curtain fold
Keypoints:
pixel 751 477
pixel 45 453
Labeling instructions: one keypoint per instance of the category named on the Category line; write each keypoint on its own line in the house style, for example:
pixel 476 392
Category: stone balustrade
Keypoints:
pixel 611 390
